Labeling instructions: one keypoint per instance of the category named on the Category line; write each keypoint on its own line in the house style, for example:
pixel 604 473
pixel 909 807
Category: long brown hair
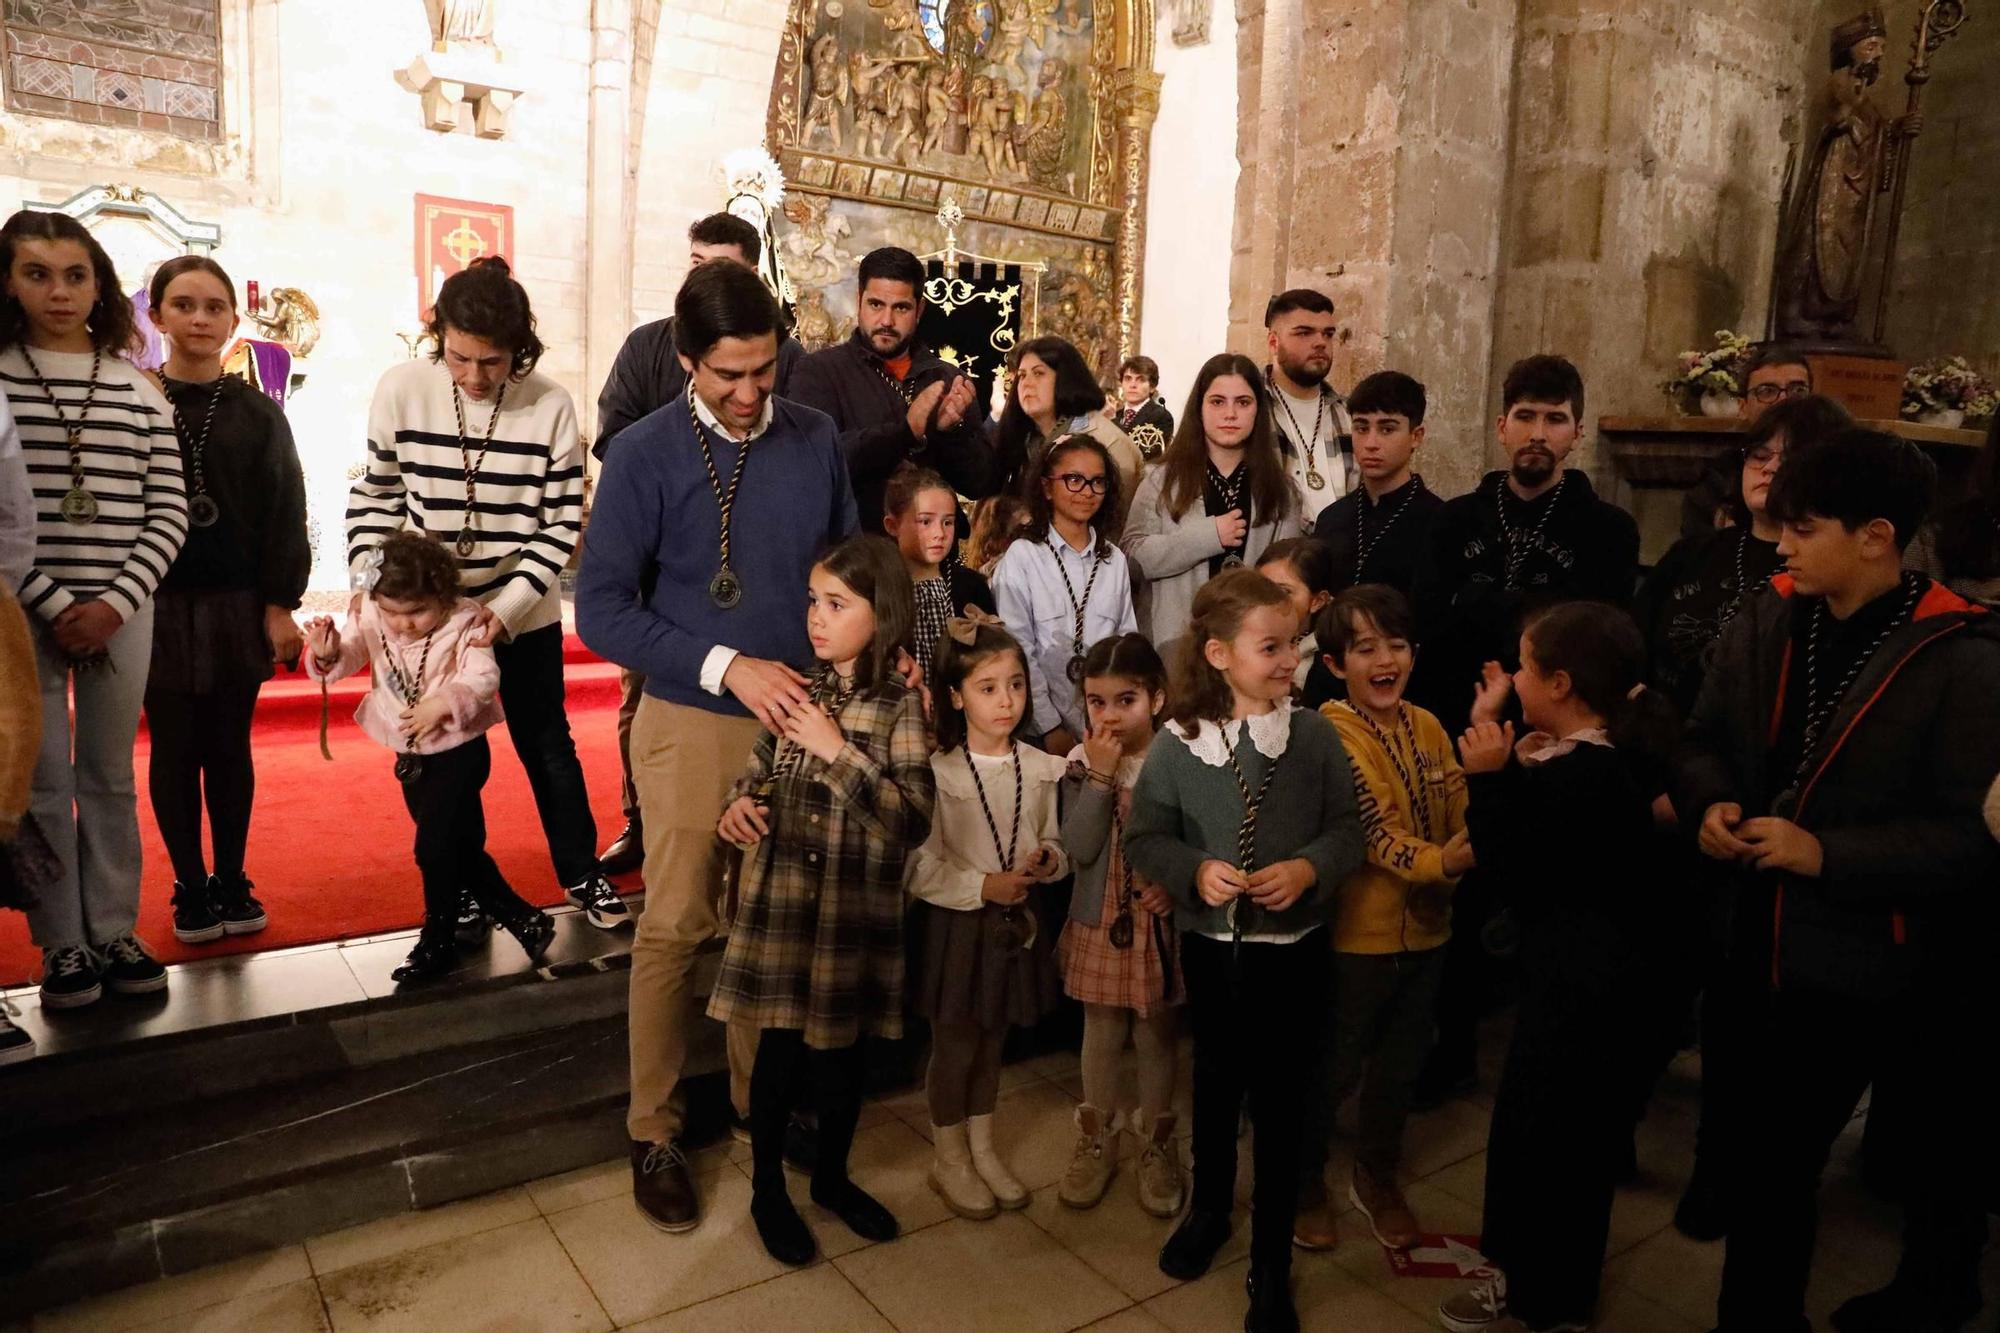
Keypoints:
pixel 1186 459
pixel 873 568
pixel 1201 693
pixel 112 327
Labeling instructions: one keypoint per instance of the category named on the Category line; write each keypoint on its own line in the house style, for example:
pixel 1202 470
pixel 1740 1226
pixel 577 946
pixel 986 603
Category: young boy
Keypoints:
pixel 1840 751
pixel 920 514
pixel 1394 914
pixel 1376 532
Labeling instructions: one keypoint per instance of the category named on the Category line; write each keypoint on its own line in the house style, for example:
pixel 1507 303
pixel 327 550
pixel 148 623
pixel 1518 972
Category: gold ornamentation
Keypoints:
pixel 289 318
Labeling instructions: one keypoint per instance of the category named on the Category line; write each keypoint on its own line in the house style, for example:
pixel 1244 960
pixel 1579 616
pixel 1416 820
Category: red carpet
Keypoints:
pixel 330 842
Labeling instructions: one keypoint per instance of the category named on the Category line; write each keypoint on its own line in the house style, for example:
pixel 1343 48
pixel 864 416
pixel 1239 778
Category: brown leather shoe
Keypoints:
pixel 1388 1213
pixel 627 851
pixel 1315 1228
pixel 661 1187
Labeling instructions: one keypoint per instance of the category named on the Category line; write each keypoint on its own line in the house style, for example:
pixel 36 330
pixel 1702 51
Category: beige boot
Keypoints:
pixel 1092 1162
pixel 952 1175
pixel 1162 1184
pixel 1007 1191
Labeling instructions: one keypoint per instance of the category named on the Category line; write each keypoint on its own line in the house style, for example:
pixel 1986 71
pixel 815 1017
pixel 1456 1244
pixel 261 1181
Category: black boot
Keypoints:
pixel 435 954
pixel 860 1210
pixel 627 851
pixel 472 925
pixel 534 933
pixel 1271 1309
pixel 784 1233
pixel 1191 1249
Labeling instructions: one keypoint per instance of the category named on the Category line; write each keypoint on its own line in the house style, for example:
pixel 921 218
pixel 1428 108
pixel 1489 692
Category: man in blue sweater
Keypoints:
pixel 706 523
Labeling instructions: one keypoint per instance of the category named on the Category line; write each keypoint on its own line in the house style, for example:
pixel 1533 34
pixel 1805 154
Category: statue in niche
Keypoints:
pixel 906 109
pixel 874 102
pixel 939 109
pixel 829 92
pixel 1044 141
pixel 1823 249
pixel 462 23
pixel 905 27
pixel 995 108
pixel 1010 37
pixel 1191 19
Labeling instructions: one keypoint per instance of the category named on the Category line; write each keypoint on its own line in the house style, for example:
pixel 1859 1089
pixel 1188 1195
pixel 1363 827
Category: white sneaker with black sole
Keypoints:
pixel 601 905
pixel 70 978
pixel 14 1043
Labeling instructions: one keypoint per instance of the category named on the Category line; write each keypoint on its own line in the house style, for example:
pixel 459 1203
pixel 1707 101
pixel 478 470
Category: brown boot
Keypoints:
pixel 1388 1213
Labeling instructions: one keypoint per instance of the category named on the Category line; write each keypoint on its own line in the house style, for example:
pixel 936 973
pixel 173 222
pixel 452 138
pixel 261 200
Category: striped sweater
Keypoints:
pixel 528 501
pixel 132 467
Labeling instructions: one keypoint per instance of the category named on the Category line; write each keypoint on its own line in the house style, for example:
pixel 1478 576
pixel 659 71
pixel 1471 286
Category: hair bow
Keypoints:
pixel 370 571
pixel 964 630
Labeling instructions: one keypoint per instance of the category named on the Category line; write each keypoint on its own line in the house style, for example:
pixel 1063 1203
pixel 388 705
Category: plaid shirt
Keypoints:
pixel 817 944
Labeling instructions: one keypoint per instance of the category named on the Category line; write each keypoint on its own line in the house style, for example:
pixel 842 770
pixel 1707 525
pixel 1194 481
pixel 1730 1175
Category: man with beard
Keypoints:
pixel 895 400
pixel 1313 426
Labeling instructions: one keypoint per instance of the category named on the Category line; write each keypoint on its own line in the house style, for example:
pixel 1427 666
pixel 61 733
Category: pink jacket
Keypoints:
pixel 469 677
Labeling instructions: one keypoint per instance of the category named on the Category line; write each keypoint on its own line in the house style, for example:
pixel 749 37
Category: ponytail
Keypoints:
pixel 1601 650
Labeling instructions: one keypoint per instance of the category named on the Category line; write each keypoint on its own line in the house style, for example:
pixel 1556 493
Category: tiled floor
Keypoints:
pixel 571 1253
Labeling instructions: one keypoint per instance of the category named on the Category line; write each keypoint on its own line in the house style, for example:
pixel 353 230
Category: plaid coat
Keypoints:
pixel 817 943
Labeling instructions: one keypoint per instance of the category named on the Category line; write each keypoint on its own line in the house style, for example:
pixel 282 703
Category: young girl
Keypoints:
pixel 827 815
pixel 1218 499
pixel 1563 1110
pixel 1303 568
pixel 1120 952
pixel 920 514
pixel 1065 586
pixel 1245 814
pixel 224 611
pixel 431 701
pixel 98 440
pixel 986 960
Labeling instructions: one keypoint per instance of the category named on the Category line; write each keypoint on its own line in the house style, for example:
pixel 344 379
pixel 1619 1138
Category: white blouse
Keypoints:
pixel 950 869
pixel 1028 589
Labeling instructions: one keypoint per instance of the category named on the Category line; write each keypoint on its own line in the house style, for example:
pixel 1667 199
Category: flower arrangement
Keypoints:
pixel 1716 371
pixel 1948 385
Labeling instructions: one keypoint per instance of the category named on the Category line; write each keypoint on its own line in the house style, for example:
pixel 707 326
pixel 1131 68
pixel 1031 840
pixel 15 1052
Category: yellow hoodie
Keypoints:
pixel 1401 898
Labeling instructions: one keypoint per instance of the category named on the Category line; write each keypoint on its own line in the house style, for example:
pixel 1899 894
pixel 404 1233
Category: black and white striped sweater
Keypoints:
pixel 528 500
pixel 132 467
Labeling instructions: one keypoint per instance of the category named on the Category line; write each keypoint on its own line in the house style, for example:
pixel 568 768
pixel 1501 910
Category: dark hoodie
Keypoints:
pixel 1894 790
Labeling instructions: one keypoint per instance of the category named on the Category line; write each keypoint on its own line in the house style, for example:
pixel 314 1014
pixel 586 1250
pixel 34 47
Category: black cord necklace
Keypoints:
pixel 409 765
pixel 1013 934
pixel 1820 708
pixel 1517 550
pixel 202 509
pixel 1364 546
pixel 1419 791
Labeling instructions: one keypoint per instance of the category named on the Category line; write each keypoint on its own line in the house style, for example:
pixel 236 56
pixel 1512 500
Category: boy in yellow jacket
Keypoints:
pixel 1393 915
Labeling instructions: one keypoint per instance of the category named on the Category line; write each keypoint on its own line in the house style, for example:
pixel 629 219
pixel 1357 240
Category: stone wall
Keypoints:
pixel 156 68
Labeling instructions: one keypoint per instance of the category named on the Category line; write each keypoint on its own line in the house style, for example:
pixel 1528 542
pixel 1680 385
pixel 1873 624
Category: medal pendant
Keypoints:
pixel 79 506
pixel 1075 669
pixel 725 588
pixel 409 768
pixel 202 510
pixel 464 544
pixel 1121 930
pixel 1232 561
pixel 1315 480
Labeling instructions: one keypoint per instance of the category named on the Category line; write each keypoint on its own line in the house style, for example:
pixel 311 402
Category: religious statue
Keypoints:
pixel 1044 141
pixel 1191 18
pixel 813 324
pixel 1010 36
pixel 874 102
pixel 1823 248
pixel 906 110
pixel 458 23
pixel 938 108
pixel 291 318
pixel 995 108
pixel 829 91
pixel 813 247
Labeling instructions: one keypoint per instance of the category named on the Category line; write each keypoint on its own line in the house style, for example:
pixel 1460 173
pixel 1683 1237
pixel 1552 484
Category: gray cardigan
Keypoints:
pixel 1185 812
pixel 1086 836
pixel 1170 556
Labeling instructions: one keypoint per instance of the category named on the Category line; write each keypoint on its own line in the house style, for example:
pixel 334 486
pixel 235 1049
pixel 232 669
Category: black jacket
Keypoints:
pixel 647 376
pixel 1894 796
pixel 848 384
pixel 1395 550
pixel 1468 615
pixel 1685 601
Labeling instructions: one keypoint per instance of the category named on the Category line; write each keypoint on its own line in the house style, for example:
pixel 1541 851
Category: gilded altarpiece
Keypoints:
pixel 1033 115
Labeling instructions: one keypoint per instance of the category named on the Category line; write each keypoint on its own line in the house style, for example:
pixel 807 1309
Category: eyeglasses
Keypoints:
pixel 1076 483
pixel 1771 393
pixel 1763 456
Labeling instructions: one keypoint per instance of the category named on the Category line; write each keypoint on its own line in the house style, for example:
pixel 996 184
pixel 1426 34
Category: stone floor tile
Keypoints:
pixel 1622 1310
pixel 1119 1239
pixel 1134 1320
pixel 1326 1297
pixel 516 1277
pixel 1006 1275
pixel 1434 1140
pixel 816 1300
pixel 414 1231
pixel 588 1184
pixel 155 1301
pixel 892 1162
pixel 293 1308
pixel 1464 1180
pixel 1683 1275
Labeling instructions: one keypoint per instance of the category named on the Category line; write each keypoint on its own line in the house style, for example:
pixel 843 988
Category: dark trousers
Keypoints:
pixel 1465 980
pixel 451 838
pixel 531 693
pixel 784 1063
pixel 1256 1016
pixel 1384 1019
pixel 201 754
pixel 1735 1006
pixel 1822 1049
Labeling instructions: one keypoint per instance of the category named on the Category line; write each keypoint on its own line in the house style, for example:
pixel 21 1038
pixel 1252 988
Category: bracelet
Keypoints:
pixel 1107 779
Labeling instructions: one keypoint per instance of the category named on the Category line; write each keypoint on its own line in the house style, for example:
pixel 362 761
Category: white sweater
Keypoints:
pixel 132 468
pixel 528 497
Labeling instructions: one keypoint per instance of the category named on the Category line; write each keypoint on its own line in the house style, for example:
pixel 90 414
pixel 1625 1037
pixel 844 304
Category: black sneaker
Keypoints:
pixel 14 1043
pixel 195 920
pixel 430 959
pixel 534 933
pixel 238 907
pixel 1191 1249
pixel 129 969
pixel 70 978
pixel 601 905
pixel 472 925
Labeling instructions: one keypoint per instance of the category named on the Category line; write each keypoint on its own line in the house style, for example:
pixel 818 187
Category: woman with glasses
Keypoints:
pixel 1052 393
pixel 1065 585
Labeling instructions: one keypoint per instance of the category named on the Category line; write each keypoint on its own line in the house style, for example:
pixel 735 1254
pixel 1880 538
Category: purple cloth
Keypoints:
pixel 151 352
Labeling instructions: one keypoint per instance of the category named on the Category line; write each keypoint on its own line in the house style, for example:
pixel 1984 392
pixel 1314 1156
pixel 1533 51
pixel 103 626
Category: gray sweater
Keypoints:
pixel 1185 812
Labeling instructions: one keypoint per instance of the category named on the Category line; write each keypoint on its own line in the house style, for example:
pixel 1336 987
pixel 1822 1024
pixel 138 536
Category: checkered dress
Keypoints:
pixel 934 609
pixel 817 944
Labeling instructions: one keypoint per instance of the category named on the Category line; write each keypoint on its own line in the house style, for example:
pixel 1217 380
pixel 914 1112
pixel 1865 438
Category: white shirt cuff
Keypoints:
pixel 715 666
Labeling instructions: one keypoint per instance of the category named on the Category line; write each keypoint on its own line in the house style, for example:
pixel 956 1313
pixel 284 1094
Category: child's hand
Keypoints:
pixel 1154 899
pixel 743 823
pixel 1102 751
pixel 1485 746
pixel 1489 696
pixel 324 639
pixel 1277 887
pixel 1008 888
pixel 1042 865
pixel 1779 844
pixel 1219 883
pixel 426 717
pixel 1458 856
pixel 813 731
pixel 1718 838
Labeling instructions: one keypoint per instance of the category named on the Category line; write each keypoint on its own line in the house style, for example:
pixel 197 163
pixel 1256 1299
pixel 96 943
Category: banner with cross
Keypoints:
pixel 450 234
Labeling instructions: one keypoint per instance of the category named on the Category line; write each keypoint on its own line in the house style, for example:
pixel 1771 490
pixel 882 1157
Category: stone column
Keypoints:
pixel 1138 102
pixel 608 242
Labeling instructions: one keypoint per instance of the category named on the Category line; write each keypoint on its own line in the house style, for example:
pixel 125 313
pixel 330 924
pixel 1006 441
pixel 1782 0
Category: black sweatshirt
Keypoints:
pixel 251 470
pixel 1392 531
pixel 1689 597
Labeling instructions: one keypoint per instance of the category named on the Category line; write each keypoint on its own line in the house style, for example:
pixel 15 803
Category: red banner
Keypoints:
pixel 451 233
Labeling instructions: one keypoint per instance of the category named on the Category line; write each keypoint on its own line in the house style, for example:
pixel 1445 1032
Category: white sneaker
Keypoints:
pixel 1476 1309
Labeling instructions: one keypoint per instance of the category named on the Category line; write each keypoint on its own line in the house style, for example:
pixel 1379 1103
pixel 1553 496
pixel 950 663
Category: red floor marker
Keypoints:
pixel 1440 1256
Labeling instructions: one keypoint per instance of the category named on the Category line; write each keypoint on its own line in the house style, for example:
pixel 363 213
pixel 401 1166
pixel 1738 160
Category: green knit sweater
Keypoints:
pixel 1186 811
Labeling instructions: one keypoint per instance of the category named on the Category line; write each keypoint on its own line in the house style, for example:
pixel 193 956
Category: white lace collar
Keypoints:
pixel 1270 733
pixel 1538 747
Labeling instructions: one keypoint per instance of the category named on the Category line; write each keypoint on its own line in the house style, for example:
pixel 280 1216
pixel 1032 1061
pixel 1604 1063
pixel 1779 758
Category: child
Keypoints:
pixel 1303 568
pixel 920 514
pixel 1245 814
pixel 1375 533
pixel 827 815
pixel 1065 586
pixel 431 700
pixel 996 524
pixel 1839 753
pixel 1563 1113
pixel 98 440
pixel 223 616
pixel 1120 953
pixel 1393 915
pixel 984 961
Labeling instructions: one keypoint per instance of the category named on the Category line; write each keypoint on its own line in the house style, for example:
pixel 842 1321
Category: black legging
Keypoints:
pixel 783 1062
pixel 201 750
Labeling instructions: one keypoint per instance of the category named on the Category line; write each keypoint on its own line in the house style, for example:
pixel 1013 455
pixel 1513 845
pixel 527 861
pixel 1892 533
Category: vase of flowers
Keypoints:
pixel 1710 383
pixel 1946 391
